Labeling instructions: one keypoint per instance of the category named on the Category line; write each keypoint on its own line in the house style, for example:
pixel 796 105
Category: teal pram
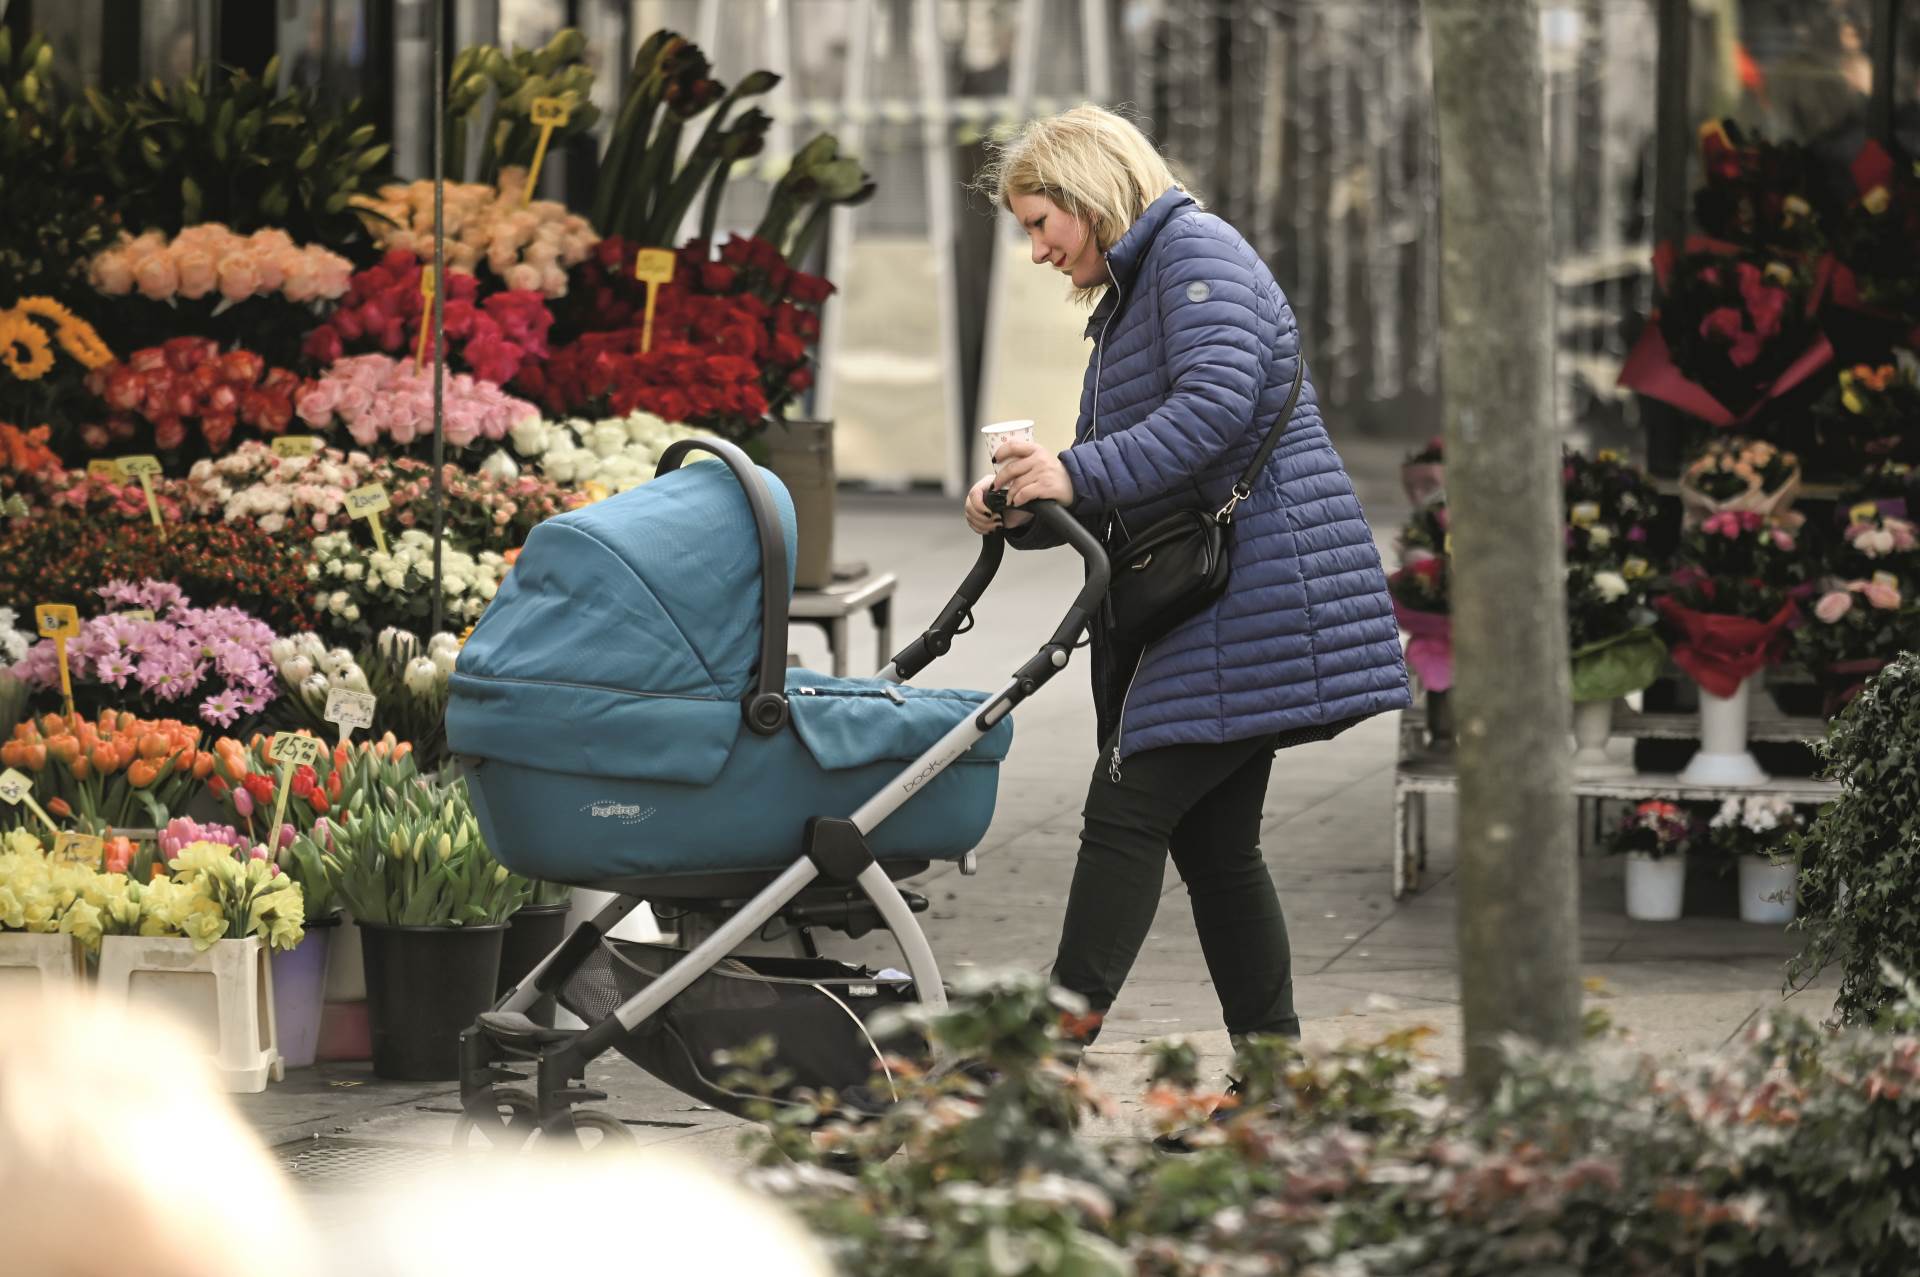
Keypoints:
pixel 626 721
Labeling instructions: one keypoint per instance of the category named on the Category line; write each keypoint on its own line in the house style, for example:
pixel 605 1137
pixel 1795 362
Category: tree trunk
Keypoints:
pixel 1519 924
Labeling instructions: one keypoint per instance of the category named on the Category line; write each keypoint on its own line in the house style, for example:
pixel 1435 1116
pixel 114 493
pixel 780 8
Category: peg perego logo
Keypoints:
pixel 625 813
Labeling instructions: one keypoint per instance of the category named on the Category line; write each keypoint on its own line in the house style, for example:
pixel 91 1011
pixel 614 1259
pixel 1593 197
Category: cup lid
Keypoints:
pixel 1005 427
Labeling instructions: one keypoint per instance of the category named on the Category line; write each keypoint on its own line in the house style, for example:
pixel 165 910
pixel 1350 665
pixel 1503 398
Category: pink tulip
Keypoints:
pixel 1782 540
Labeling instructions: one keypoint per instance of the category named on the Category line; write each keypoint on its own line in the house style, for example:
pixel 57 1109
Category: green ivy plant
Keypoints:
pixel 1860 875
pixel 223 146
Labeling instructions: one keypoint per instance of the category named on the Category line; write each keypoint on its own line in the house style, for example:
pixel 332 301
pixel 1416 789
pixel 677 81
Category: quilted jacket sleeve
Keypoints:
pixel 1215 335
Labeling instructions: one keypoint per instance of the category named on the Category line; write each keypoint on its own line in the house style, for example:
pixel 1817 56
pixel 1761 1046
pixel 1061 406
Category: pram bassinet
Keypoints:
pixel 598 705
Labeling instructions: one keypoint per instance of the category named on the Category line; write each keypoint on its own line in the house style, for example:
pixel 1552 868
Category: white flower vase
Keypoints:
pixel 48 964
pixel 1655 888
pixel 224 996
pixel 1767 890
pixel 1592 729
pixel 1723 759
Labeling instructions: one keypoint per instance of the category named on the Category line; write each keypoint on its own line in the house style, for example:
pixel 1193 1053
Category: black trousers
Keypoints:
pixel 1202 804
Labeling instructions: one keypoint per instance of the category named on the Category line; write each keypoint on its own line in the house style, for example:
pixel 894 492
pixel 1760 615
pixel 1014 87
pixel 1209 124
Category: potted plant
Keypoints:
pixel 1609 621
pixel 195 941
pixel 1727 602
pixel 1755 831
pixel 1422 603
pixel 1861 618
pixel 1654 838
pixel 37 914
pixel 432 906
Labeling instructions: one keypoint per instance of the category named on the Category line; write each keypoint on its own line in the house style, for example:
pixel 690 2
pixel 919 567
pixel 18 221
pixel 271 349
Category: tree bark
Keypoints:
pixel 1519 923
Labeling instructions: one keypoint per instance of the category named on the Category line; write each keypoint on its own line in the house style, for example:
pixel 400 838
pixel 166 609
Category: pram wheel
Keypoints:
pixel 601 1133
pixel 507 1129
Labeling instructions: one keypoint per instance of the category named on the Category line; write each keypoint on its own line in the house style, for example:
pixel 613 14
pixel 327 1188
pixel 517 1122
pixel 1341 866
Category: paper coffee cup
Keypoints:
pixel 1001 433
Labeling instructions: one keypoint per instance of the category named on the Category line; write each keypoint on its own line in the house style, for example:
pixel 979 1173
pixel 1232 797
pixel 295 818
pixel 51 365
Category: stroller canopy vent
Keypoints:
pixel 639 614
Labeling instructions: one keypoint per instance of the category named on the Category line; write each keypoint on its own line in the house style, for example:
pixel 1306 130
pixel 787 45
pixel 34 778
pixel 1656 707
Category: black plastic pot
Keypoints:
pixel 425 985
pixel 533 932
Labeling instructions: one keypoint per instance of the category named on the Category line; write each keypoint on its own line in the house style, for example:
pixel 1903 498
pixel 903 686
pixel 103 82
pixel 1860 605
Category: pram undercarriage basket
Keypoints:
pixel 878 748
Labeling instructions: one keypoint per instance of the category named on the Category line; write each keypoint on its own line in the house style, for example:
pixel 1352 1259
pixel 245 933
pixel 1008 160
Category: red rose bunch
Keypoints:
pixel 494 338
pixel 731 338
pixel 187 380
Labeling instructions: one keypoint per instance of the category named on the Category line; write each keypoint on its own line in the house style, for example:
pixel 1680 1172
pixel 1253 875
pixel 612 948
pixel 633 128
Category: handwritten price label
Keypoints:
pixel 547 115
pixel 291 749
pixel 296 445
pixel 15 789
pixel 145 469
pixel 79 849
pixel 104 468
pixel 348 710
pixel 1865 512
pixel 1583 514
pixel 137 614
pixel 367 503
pixel 1886 579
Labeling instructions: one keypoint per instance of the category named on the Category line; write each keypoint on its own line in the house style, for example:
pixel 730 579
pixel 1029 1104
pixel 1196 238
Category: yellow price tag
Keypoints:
pixel 428 286
pixel 79 849
pixel 1865 512
pixel 547 114
pixel 296 445
pixel 137 614
pixel 367 503
pixel 596 491
pixel 144 468
pixel 1887 580
pixel 15 789
pixel 1584 513
pixel 652 267
pixel 104 468
pixel 60 622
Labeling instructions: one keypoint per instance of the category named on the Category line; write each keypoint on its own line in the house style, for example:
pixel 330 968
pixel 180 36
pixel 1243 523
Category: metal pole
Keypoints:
pixel 854 108
pixel 931 60
pixel 1673 122
pixel 439 87
pixel 1007 237
pixel 1882 44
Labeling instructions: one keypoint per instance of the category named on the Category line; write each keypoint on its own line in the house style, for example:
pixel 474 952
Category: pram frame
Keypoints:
pixel 834 849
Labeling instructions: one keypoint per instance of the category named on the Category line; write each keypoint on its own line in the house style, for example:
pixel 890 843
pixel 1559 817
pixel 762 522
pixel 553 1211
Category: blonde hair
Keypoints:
pixel 1096 165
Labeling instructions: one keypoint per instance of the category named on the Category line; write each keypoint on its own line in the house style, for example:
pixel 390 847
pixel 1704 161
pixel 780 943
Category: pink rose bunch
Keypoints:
pixel 209 258
pixel 383 309
pixel 1877 536
pixel 1837 602
pixel 377 396
pixel 528 248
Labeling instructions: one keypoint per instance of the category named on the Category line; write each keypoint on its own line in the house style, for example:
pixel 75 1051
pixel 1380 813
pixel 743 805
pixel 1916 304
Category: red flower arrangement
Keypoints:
pixel 1734 331
pixel 1874 239
pixel 187 380
pixel 731 338
pixel 493 338
pixel 1757 193
pixel 1730 597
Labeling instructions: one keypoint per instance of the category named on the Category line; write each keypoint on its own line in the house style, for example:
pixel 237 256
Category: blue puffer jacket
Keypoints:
pixel 1194 357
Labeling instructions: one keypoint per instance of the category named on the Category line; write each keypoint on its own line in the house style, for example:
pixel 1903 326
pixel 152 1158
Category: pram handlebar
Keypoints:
pixel 765 707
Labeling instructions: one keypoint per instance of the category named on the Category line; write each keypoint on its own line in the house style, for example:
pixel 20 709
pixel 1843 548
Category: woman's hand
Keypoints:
pixel 1031 473
pixel 983 520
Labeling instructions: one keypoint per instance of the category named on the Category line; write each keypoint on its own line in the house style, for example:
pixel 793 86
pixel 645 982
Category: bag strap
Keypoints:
pixel 1244 488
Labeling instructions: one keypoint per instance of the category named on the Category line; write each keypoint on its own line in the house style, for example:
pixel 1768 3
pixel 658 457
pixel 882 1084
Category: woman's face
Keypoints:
pixel 1060 240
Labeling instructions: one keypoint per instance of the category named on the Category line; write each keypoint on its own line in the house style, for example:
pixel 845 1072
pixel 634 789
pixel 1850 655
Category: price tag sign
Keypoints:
pixel 1586 512
pixel 296 445
pixel 291 750
pixel 1865 512
pixel 367 503
pixel 137 614
pixel 1887 580
pixel 15 789
pixel 428 286
pixel 547 114
pixel 652 267
pixel 596 491
pixel 104 468
pixel 60 622
pixel 79 849
pixel 349 710
pixel 145 468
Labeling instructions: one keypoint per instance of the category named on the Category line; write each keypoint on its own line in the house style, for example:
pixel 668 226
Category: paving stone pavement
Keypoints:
pixel 1364 964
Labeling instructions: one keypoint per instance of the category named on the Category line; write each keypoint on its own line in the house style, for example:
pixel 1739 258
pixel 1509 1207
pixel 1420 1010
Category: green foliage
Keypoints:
pixel 52 226
pixel 1862 854
pixel 223 146
pixel 1791 1152
pixel 504 85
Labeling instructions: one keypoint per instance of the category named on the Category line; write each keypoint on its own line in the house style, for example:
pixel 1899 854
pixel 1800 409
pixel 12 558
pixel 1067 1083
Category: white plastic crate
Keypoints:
pixel 224 995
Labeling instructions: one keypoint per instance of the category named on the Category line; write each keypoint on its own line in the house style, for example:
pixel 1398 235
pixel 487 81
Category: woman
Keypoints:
pixel 1195 355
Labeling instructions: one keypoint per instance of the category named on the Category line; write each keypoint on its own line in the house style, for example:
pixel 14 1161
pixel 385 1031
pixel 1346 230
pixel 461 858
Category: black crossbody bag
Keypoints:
pixel 1179 566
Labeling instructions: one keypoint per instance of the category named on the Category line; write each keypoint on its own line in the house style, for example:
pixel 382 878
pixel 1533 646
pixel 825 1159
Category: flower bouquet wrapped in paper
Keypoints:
pixel 1422 597
pixel 1756 193
pixel 1878 270
pixel 1871 412
pixel 1734 331
pixel 1740 476
pixel 1728 600
pixel 1609 621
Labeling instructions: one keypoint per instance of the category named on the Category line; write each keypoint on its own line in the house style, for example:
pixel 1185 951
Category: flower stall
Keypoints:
pixel 262 466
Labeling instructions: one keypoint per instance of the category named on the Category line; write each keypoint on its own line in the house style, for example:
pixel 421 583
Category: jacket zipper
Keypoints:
pixel 1099 362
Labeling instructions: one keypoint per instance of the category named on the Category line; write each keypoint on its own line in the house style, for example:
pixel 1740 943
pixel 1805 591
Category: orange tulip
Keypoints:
pixel 24 730
pixel 64 748
pixel 124 752
pixel 142 772
pixel 153 745
pixel 103 759
pixel 80 767
pixel 36 757
pixel 202 765
pixel 13 753
pixel 58 807
pixel 52 724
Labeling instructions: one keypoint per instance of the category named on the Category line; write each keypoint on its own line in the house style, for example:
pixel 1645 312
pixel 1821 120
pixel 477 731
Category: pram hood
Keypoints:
pixel 627 634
